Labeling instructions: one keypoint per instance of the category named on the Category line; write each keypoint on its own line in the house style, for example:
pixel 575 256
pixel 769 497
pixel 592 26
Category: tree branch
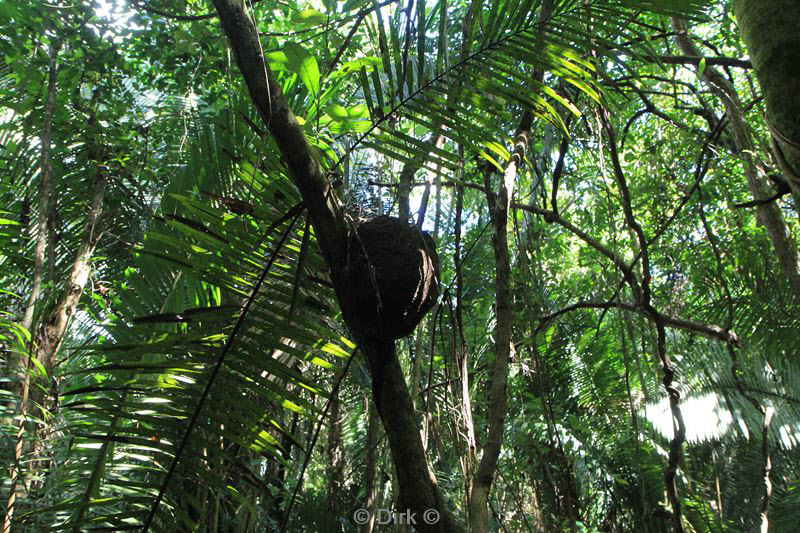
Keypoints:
pixel 619 262
pixel 304 169
pixel 676 444
pixel 418 488
pixel 165 14
pixel 709 330
pixel 695 60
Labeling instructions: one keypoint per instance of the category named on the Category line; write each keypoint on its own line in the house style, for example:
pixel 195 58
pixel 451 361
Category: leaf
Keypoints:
pixel 491 160
pixel 333 349
pixel 39 367
pixel 499 149
pixel 308 17
pixel 369 63
pixel 296 59
pixel 350 5
pixel 344 119
pixel 336 112
pixel 701 67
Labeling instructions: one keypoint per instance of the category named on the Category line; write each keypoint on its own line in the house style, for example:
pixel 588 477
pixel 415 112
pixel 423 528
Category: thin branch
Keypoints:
pixel 695 60
pixel 709 330
pixel 619 262
pixel 359 18
pixel 679 427
pixel 165 14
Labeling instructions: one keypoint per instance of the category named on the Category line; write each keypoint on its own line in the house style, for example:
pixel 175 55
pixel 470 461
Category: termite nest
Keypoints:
pixel 391 276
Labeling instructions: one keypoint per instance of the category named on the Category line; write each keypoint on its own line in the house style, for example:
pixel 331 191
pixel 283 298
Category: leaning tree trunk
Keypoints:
pixel 768 214
pixel 54 329
pixel 499 204
pixel 771 31
pixel 419 491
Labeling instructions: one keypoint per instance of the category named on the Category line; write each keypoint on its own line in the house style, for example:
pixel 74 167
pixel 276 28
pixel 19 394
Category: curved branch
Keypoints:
pixel 709 330
pixel 676 444
pixel 619 262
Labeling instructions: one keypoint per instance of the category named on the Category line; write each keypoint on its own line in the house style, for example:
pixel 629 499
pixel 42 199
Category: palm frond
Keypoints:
pixel 202 358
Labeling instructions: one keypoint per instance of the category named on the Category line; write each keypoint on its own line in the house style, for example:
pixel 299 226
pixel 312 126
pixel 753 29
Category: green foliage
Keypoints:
pixel 194 382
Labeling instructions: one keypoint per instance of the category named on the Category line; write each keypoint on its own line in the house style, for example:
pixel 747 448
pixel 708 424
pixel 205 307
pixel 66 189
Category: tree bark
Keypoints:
pixel 18 448
pixel 419 491
pixel 499 205
pixel 498 213
pixel 769 28
pixel 426 194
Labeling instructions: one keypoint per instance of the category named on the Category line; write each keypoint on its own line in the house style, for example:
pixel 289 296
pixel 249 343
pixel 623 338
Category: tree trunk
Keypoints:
pixel 499 205
pixel 769 28
pixel 768 214
pixel 426 194
pixel 44 190
pixel 418 486
pixel 20 441
pixel 468 428
pixel 498 212
pixel 371 471
pixel 419 490
pixel 54 330
pixel 38 268
pixel 335 461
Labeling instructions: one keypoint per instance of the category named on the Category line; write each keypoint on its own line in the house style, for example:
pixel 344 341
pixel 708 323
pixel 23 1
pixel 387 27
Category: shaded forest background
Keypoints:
pixel 613 190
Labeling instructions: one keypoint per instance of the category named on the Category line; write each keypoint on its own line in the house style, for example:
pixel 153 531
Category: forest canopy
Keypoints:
pixel 362 265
